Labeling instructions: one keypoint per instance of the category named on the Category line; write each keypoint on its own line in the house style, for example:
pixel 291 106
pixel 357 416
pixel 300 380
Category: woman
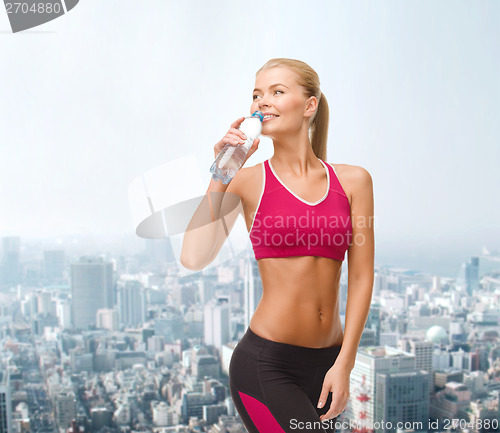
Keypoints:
pixel 290 371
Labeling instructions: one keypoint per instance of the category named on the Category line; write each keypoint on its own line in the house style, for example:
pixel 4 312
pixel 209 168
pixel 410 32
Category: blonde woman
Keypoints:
pixel 290 371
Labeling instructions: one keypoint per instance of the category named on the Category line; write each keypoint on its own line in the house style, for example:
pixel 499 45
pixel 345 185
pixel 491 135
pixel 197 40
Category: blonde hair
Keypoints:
pixel 309 80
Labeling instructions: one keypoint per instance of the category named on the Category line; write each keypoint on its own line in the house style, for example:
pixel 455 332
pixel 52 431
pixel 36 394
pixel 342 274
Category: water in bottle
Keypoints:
pixel 231 157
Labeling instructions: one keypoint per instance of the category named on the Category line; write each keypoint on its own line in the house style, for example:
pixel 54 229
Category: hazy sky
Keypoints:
pixel 94 99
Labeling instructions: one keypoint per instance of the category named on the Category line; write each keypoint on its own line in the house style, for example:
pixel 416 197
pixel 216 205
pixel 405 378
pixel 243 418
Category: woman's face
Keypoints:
pixel 278 95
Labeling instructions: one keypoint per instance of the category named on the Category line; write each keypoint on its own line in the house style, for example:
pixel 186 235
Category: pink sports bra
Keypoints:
pixel 286 225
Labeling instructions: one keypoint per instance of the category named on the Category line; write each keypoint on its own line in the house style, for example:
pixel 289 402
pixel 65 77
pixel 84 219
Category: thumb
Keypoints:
pixel 323 396
pixel 254 146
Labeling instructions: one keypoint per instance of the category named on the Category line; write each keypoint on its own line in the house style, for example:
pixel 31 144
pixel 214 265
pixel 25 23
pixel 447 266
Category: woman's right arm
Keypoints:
pixel 214 218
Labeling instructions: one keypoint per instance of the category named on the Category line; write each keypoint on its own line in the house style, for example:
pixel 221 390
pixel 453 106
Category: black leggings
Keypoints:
pixel 276 386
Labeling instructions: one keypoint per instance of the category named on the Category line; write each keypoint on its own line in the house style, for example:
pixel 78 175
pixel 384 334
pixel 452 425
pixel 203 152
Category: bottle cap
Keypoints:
pixel 259 115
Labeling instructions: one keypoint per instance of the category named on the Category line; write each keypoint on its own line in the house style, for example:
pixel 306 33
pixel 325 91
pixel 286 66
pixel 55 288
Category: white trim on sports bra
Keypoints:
pixel 261 195
pixel 295 195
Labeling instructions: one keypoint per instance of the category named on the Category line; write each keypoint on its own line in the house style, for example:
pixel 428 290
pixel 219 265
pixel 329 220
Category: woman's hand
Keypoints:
pixel 336 381
pixel 236 137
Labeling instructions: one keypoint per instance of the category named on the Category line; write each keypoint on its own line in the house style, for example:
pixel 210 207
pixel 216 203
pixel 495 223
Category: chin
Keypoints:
pixel 271 132
pixel 268 135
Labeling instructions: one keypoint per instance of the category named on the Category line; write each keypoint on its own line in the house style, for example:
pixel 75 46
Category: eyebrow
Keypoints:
pixel 271 86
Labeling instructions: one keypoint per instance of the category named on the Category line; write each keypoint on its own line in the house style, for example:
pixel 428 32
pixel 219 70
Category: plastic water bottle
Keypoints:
pixel 231 157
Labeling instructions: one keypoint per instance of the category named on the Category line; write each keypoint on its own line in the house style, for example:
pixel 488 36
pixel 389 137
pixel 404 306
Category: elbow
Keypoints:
pixel 191 263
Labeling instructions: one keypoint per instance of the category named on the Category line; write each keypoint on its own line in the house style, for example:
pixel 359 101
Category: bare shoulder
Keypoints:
pixel 244 177
pixel 355 173
pixel 353 178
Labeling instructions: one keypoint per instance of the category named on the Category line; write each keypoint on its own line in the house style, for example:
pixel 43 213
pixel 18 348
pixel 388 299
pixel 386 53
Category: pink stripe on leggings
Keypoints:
pixel 260 414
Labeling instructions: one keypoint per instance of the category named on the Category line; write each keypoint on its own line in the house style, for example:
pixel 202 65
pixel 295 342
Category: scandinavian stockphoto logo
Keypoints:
pixel 26 14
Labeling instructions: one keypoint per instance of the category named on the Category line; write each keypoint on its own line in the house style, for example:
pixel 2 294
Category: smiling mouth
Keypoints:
pixel 269 117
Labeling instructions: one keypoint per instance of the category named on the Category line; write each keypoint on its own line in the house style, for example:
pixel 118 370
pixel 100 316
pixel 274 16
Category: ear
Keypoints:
pixel 311 106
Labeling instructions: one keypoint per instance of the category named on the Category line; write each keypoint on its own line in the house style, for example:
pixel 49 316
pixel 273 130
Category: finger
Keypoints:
pixel 254 146
pixel 233 139
pixel 250 152
pixel 237 122
pixel 238 133
pixel 330 414
pixel 333 411
pixel 323 396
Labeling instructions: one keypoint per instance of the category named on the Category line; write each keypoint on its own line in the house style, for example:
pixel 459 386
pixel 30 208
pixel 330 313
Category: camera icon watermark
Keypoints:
pixel 26 14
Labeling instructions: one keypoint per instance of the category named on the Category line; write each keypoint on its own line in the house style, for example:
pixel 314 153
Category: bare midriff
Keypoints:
pixel 300 301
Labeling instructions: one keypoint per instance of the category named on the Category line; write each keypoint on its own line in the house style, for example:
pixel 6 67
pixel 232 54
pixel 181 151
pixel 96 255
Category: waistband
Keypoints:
pixel 288 353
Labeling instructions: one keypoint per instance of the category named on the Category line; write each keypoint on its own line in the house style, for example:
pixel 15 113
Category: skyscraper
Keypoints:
pixel 5 404
pixel 54 262
pixel 386 385
pixel 131 303
pixel 252 288
pixel 402 397
pixel 11 267
pixel 468 276
pixel 92 289
pixel 65 405
pixel 107 318
pixel 472 276
pixel 216 317
pixel 170 325
pixel 423 357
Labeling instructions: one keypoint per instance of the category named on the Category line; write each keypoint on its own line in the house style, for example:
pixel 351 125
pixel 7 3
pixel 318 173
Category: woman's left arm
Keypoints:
pixel 360 266
pixel 360 258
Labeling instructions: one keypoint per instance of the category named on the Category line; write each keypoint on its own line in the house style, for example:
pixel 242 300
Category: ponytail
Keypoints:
pixel 319 128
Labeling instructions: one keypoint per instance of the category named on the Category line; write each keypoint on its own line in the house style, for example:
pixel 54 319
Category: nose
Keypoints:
pixel 263 102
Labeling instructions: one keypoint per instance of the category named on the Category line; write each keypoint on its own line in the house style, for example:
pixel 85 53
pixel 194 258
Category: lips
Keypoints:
pixel 269 116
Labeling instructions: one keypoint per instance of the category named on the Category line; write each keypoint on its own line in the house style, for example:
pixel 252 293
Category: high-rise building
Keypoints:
pixel 155 343
pixel 107 318
pixel 472 276
pixel 54 263
pixel 212 412
pixel 192 404
pixel 92 288
pixel 368 337
pixel 164 415
pixel 5 404
pixel 45 303
pixel 123 413
pixel 252 289
pixel 402 397
pixel 468 276
pixel 216 320
pixel 101 417
pixel 63 312
pixel 170 325
pixel 131 303
pixel 11 265
pixel 65 409
pixel 423 355
pixel 373 321
pixel 387 386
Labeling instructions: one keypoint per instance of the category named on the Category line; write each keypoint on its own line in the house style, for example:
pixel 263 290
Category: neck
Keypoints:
pixel 294 153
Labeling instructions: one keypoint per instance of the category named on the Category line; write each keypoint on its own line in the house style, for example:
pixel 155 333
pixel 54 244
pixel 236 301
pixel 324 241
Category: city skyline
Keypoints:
pixel 110 114
pixel 428 352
